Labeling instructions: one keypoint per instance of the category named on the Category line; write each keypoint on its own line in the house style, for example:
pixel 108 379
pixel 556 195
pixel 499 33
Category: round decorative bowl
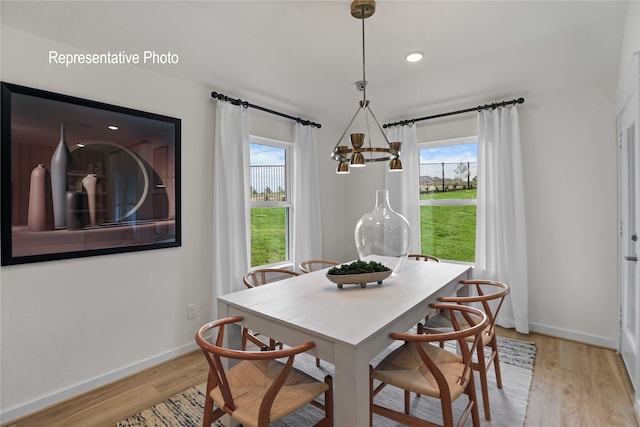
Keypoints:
pixel 358 279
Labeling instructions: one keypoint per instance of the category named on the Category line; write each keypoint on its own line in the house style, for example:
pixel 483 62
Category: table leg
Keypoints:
pixel 351 388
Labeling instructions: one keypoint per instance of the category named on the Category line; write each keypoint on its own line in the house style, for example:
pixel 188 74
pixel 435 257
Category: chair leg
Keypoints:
pixel 496 360
pixel 473 397
pixel 447 410
pixel 407 401
pixel 208 411
pixel 481 367
pixel 317 362
pixel 328 401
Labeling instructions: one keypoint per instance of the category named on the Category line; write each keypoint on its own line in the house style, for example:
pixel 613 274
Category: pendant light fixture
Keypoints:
pixel 362 151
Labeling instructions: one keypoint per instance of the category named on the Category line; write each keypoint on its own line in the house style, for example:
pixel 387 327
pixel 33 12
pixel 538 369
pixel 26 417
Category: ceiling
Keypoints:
pixel 303 57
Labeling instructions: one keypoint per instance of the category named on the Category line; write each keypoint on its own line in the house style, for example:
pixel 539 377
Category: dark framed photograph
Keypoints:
pixel 84 178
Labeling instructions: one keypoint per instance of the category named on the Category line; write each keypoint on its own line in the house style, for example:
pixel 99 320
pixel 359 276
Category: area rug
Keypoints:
pixel 508 405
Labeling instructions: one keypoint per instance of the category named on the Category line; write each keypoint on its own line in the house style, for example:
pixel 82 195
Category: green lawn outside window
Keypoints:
pixel 449 232
pixel 268 235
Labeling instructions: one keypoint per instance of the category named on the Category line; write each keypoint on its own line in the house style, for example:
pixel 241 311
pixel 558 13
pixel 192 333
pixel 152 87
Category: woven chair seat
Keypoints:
pixel 405 369
pixel 249 381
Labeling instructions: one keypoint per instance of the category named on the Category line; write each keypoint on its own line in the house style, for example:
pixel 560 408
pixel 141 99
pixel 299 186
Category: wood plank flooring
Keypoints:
pixel 573 385
pixel 576 384
pixel 106 405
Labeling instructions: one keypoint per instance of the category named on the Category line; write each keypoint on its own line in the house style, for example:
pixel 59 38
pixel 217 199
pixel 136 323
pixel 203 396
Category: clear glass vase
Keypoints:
pixel 383 235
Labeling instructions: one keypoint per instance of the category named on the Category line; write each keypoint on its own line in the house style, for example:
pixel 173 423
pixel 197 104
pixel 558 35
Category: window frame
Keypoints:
pixel 288 204
pixel 445 202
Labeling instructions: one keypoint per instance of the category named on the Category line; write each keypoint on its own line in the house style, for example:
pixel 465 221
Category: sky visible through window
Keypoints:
pixel 450 154
pixel 266 155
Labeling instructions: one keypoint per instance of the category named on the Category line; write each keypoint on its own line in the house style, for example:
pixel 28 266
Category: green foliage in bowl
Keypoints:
pixel 358 267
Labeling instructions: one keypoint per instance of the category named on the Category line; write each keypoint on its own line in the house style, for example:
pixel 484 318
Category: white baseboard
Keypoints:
pixel 53 398
pixel 574 336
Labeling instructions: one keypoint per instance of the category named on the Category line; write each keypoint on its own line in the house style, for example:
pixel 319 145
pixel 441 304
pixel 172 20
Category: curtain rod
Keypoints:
pixel 246 104
pixel 466 110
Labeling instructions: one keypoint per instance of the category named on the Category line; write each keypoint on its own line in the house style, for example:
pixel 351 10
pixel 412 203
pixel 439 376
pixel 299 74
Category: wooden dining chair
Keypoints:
pixel 262 276
pixel 258 389
pixel 316 264
pixel 423 257
pixel 423 368
pixel 259 277
pixel 490 295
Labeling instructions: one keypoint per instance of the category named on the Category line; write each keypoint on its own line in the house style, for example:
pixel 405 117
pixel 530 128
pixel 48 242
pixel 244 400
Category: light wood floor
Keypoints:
pixel 576 384
pixel 573 385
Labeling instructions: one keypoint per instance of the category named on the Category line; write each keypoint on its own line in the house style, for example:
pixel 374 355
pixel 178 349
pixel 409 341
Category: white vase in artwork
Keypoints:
pixel 89 184
pixel 59 165
pixel 383 235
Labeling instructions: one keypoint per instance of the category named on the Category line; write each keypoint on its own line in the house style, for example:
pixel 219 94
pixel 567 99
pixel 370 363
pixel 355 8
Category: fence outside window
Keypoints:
pixel 268 183
pixel 441 177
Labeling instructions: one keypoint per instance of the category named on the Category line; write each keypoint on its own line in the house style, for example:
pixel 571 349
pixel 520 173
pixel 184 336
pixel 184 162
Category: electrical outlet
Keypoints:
pixel 191 311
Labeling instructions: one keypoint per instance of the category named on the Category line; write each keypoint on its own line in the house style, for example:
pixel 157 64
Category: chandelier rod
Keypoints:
pixel 364 77
pixel 493 105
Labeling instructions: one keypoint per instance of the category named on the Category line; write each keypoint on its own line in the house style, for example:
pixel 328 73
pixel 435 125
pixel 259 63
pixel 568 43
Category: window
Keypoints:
pixel 270 201
pixel 448 188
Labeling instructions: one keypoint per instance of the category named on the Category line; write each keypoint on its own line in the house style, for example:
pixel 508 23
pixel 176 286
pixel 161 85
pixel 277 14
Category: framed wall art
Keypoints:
pixel 83 178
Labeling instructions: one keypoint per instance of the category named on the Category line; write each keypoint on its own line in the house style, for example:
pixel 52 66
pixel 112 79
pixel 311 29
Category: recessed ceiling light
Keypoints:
pixel 80 145
pixel 113 127
pixel 414 56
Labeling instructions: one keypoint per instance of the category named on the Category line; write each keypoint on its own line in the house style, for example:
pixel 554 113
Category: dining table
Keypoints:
pixel 349 325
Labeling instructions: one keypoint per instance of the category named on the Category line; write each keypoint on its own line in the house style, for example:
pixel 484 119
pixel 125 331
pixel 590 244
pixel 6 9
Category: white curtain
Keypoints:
pixel 501 243
pixel 307 233
pixel 404 187
pixel 230 198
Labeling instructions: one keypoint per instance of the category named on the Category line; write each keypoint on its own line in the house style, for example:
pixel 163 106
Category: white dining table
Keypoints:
pixel 349 326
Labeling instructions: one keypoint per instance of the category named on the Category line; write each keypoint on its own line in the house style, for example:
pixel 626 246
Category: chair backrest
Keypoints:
pixel 316 264
pixel 215 352
pixel 423 257
pixel 489 293
pixel 262 276
pixel 475 322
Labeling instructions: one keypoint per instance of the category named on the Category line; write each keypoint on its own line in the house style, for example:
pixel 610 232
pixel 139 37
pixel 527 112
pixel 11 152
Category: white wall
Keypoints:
pixel 569 151
pixel 631 38
pixel 72 324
